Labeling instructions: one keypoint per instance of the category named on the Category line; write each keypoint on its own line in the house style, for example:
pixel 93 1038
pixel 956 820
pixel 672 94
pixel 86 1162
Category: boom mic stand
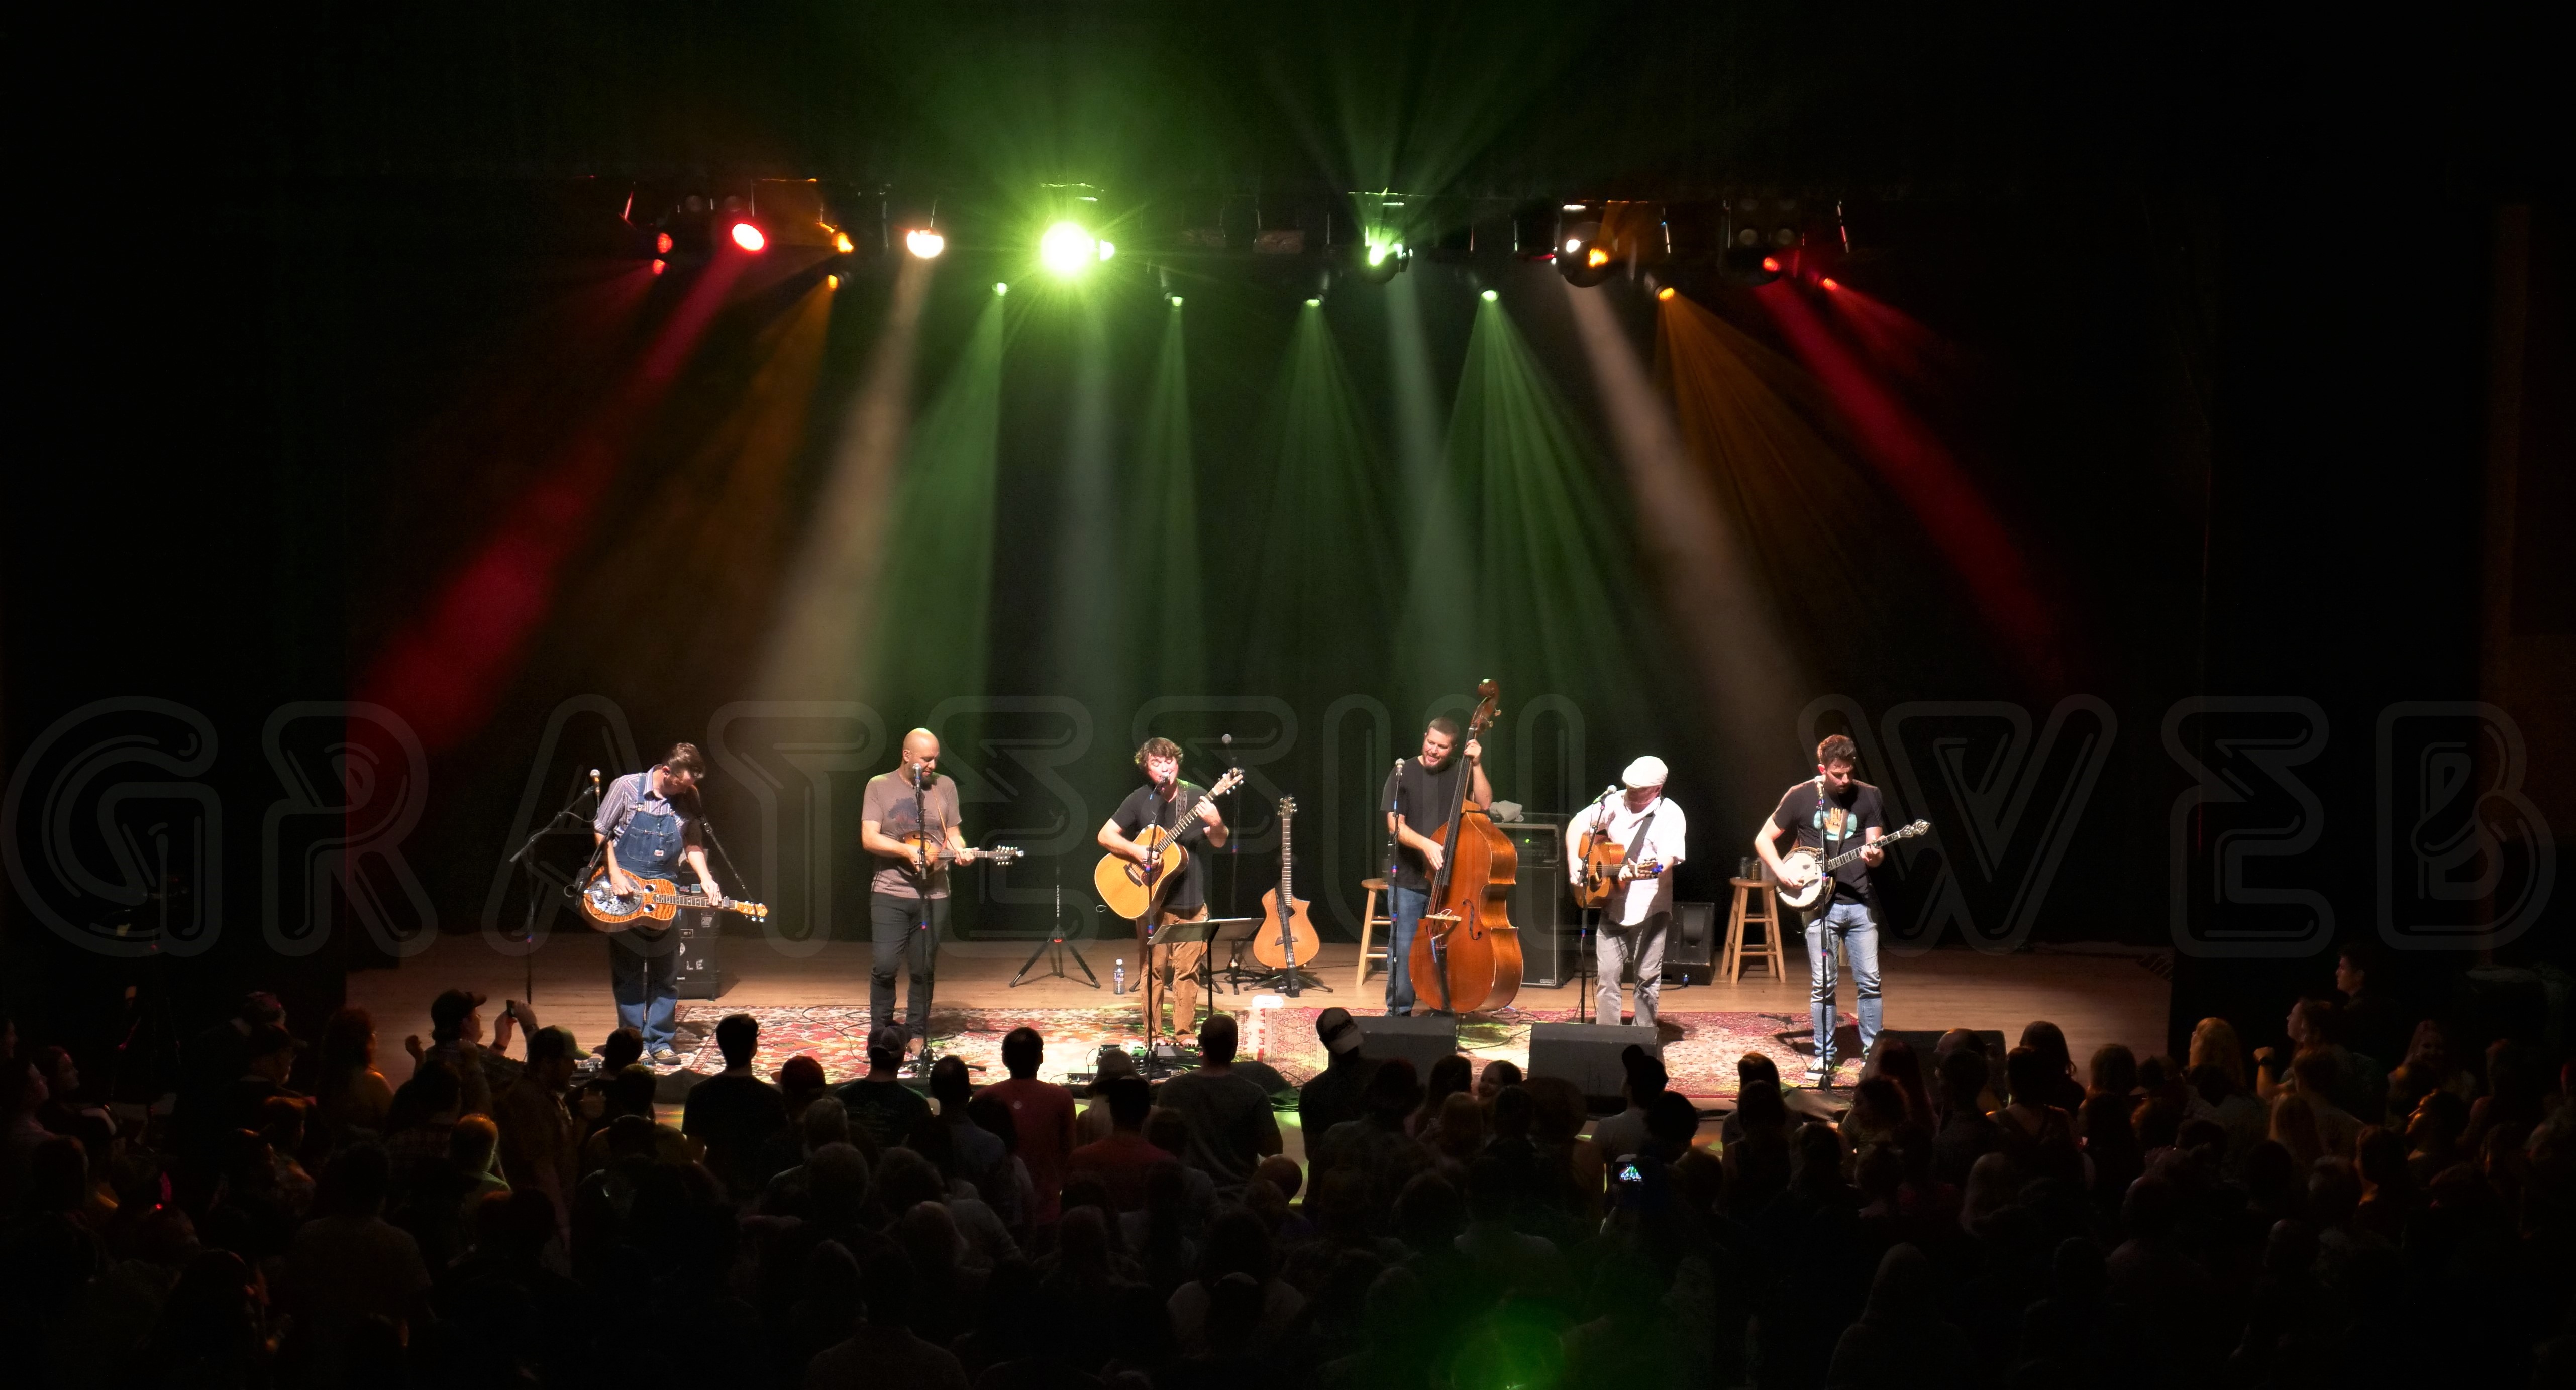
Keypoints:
pixel 535 875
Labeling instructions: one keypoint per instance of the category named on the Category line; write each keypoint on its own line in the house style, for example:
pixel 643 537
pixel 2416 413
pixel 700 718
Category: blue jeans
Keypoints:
pixel 1859 933
pixel 644 975
pixel 1405 906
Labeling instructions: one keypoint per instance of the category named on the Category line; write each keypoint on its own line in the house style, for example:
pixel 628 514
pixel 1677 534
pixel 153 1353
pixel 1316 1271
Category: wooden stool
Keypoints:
pixel 1369 923
pixel 1753 906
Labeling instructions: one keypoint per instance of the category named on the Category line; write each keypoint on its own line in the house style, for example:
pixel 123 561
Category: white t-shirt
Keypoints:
pixel 1643 897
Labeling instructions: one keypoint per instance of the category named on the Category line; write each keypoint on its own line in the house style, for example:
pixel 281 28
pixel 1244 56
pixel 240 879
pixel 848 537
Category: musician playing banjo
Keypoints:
pixel 647 826
pixel 908 897
pixel 1634 921
pixel 1826 815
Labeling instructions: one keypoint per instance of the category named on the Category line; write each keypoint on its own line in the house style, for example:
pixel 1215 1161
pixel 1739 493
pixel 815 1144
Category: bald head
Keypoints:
pixel 921 749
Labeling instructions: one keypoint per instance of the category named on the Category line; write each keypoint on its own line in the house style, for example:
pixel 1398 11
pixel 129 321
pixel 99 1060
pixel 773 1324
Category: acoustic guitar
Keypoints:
pixel 658 900
pixel 1606 867
pixel 1131 889
pixel 1808 873
pixel 1287 936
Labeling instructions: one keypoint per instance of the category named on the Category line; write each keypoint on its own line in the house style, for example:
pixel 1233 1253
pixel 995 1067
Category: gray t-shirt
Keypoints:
pixel 1230 1124
pixel 890 804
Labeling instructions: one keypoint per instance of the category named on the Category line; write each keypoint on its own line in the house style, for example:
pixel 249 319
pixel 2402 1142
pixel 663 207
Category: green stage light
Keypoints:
pixel 1001 287
pixel 1176 301
pixel 1314 304
pixel 1489 296
pixel 1068 249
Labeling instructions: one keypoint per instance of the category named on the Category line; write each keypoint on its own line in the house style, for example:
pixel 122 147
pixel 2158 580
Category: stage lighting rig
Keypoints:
pixel 1598 238
pixel 1380 252
pixel 925 243
pixel 1071 244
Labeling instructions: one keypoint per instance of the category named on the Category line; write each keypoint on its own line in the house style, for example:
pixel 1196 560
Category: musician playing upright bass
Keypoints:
pixel 1826 814
pixel 1419 796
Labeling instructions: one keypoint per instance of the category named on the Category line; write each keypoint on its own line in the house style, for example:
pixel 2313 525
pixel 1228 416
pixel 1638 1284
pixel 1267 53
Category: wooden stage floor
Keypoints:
pixel 2096 999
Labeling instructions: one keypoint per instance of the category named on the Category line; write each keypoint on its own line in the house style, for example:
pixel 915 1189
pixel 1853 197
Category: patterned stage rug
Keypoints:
pixel 1701 1061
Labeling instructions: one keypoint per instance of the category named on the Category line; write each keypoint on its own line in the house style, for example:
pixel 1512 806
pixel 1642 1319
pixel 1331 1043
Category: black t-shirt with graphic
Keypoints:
pixel 1143 807
pixel 1424 797
pixel 1837 822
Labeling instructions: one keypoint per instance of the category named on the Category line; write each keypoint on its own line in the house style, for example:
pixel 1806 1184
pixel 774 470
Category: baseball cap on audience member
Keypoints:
pixel 554 1040
pixel 448 1011
pixel 886 1044
pixel 1338 1030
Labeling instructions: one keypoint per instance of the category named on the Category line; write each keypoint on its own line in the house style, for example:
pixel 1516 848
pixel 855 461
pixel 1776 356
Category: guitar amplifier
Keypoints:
pixel 1542 903
pixel 698 939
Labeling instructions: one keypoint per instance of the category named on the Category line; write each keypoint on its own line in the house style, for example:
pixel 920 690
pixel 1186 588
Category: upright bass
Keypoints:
pixel 1467 954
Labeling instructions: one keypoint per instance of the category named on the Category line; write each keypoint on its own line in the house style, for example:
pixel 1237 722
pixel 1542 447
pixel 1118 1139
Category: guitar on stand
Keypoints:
pixel 1288 934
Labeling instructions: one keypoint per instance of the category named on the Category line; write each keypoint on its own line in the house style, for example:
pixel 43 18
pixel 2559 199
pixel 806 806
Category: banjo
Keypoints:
pixel 1805 874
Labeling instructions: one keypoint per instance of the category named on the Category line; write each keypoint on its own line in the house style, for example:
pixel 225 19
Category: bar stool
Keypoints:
pixel 1369 923
pixel 1753 907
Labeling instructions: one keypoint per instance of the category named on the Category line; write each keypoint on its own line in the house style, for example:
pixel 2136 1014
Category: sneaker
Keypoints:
pixel 665 1057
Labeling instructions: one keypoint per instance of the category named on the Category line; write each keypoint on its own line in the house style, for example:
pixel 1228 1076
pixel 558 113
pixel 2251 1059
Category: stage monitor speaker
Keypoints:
pixel 1925 1041
pixel 1587 1054
pixel 1421 1041
pixel 698 938
pixel 1690 947
pixel 1542 912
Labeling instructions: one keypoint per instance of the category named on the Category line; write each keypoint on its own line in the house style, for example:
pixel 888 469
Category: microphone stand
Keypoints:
pixel 1588 931
pixel 535 877
pixel 923 940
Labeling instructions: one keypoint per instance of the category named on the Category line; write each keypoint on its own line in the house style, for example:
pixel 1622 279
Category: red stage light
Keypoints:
pixel 1830 283
pixel 660 266
pixel 1771 264
pixel 748 237
pixel 662 244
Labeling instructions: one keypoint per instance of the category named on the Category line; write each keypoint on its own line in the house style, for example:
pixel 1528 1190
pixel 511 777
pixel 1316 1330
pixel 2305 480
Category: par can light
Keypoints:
pixel 749 237
pixel 924 243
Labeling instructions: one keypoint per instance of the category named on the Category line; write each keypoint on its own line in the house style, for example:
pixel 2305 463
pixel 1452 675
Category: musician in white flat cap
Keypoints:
pixel 1639 912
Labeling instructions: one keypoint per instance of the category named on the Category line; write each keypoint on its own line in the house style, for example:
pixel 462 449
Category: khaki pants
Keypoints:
pixel 1174 969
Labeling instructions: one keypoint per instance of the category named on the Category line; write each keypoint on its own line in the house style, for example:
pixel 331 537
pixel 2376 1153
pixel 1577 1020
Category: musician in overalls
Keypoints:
pixel 1830 813
pixel 647 828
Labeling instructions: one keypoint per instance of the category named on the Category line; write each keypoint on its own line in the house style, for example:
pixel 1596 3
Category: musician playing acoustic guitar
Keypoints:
pixel 1825 814
pixel 1165 801
pixel 908 821
pixel 646 827
pixel 1634 921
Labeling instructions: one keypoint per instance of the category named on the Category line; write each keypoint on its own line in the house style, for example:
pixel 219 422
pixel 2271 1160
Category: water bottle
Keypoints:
pixel 1118 979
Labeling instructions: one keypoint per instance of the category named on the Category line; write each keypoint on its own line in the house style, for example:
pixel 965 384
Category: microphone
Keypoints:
pixel 594 781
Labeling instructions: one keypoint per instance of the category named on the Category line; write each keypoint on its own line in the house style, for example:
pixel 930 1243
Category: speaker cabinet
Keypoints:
pixel 1421 1041
pixel 1691 944
pixel 1587 1054
pixel 1542 903
pixel 699 941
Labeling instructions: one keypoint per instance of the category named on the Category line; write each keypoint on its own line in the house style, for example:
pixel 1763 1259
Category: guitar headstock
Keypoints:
pixel 1920 827
pixel 1233 778
pixel 1287 807
pixel 1002 854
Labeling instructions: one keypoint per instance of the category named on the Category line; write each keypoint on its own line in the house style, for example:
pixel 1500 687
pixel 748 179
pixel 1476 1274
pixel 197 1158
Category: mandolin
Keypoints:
pixel 609 910
pixel 1131 889
pixel 1287 937
pixel 939 853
